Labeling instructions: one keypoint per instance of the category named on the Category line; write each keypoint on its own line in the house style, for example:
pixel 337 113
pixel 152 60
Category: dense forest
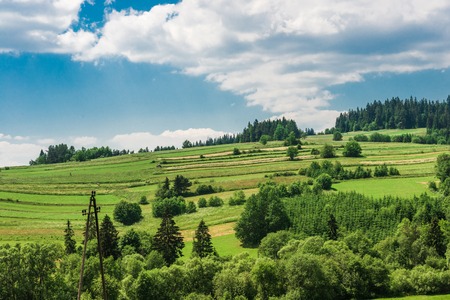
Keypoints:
pixel 397 114
pixel 277 130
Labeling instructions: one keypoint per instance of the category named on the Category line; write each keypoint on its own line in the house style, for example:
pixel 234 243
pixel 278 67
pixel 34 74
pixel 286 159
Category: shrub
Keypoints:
pixel 236 151
pixel 215 201
pixel 315 151
pixel 361 138
pixel 393 171
pixel 191 207
pixel 202 202
pixel 127 213
pixel 143 200
pixel 324 181
pixel 337 136
pixel 327 151
pixel 169 206
pixel 204 189
pixel 238 198
pixel 381 171
pixel 352 149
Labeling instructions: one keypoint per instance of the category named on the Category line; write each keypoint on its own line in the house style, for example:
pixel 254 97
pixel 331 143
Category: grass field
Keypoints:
pixel 36 202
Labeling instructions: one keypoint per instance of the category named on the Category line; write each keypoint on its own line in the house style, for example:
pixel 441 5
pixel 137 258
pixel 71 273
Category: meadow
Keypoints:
pixel 36 201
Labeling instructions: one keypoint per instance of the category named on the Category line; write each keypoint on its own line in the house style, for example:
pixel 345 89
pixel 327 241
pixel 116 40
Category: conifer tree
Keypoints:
pixel 436 237
pixel 69 242
pixel 202 245
pixel 168 240
pixel 109 238
pixel 332 228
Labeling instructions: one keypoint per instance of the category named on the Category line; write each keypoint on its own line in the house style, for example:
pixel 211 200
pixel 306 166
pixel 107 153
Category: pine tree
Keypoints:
pixel 109 238
pixel 202 246
pixel 436 237
pixel 69 242
pixel 332 228
pixel 168 240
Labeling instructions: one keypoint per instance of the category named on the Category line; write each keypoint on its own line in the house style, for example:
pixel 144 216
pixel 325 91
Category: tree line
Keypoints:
pixel 395 113
pixel 62 153
pixel 277 130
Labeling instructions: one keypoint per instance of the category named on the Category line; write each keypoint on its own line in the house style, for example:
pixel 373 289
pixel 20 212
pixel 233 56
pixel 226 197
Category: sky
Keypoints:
pixel 131 74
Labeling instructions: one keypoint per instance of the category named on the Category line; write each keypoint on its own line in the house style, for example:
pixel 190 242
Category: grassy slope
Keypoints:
pixel 37 201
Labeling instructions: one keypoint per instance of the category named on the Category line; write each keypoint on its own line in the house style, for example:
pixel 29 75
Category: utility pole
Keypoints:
pixel 95 211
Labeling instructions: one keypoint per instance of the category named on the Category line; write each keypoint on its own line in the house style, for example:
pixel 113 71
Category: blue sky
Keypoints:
pixel 132 74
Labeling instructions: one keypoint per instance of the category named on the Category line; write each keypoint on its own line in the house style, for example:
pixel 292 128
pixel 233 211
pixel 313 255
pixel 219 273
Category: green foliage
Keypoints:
pixel 292 152
pixel 173 206
pixel 132 240
pixel 143 200
pixel 215 201
pixel 202 202
pixel 264 139
pixel 327 151
pixel 443 166
pixel 181 185
pixel 168 240
pixel 332 228
pixel 127 213
pixel 263 213
pixel 204 189
pixel 191 207
pixel 352 149
pixel 291 140
pixel 238 198
pixel 202 245
pixel 337 136
pixel 69 242
pixel 109 238
pixel 361 138
pixel 273 242
pixel 377 137
pixel 381 171
pixel 324 181
pixel 236 151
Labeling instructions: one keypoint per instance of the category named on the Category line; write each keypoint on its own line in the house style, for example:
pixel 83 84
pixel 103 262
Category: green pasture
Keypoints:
pixel 37 201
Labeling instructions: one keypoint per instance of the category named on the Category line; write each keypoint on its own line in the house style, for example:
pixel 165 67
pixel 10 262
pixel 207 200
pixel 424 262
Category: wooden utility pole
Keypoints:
pixel 95 211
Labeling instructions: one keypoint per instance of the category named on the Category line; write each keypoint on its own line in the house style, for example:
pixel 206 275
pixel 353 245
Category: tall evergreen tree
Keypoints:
pixel 332 228
pixel 202 245
pixel 109 238
pixel 436 237
pixel 69 242
pixel 168 240
pixel 181 185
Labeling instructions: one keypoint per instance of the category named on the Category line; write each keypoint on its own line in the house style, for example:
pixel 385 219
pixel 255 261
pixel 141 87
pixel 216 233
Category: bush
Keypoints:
pixel 315 151
pixel 204 189
pixel 143 200
pixel 127 213
pixel 191 207
pixel 324 181
pixel 215 201
pixel 361 138
pixel 202 202
pixel 337 136
pixel 236 151
pixel 238 198
pixel 169 206
pixel 327 151
pixel 393 171
pixel 352 149
pixel 381 171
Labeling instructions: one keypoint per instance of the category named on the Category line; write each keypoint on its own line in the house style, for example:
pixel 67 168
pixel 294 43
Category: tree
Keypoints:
pixel 292 152
pixel 109 238
pixel 352 149
pixel 327 151
pixel 291 140
pixel 263 213
pixel 127 213
pixel 324 181
pixel 436 237
pixel 164 190
pixel 337 136
pixel 202 245
pixel 69 242
pixel 132 239
pixel 332 228
pixel 181 185
pixel 443 166
pixel 168 240
pixel 264 139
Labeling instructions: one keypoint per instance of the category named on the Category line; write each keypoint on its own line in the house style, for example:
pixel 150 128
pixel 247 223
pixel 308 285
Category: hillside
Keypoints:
pixel 36 201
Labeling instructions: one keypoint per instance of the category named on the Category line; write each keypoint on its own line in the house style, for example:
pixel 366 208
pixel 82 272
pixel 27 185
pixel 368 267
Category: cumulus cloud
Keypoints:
pixel 84 141
pixel 16 154
pixel 282 55
pixel 34 25
pixel 138 140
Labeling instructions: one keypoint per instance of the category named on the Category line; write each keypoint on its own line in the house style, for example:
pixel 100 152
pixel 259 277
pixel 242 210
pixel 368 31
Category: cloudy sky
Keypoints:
pixel 139 73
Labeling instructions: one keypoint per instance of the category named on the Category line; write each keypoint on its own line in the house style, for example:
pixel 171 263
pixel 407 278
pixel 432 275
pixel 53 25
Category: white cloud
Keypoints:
pixel 83 141
pixel 282 55
pixel 33 25
pixel 137 140
pixel 16 154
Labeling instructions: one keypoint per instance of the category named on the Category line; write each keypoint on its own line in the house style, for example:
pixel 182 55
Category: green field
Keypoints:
pixel 36 202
